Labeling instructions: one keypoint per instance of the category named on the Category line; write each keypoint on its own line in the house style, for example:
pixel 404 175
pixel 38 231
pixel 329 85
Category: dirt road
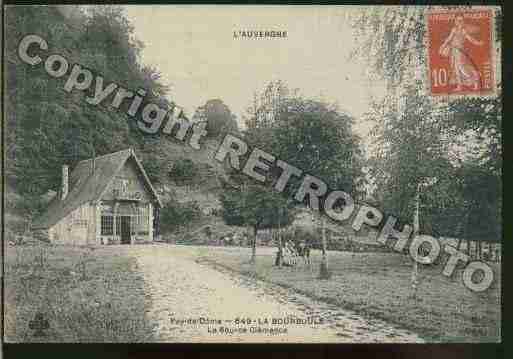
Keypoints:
pixel 193 302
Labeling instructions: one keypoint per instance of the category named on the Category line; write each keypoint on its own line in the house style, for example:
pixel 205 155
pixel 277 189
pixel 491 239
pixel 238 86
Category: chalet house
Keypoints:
pixel 107 199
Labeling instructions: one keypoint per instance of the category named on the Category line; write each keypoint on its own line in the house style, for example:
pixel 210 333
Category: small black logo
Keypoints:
pixel 39 324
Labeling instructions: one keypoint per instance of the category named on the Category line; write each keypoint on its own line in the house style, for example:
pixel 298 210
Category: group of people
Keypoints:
pixel 292 252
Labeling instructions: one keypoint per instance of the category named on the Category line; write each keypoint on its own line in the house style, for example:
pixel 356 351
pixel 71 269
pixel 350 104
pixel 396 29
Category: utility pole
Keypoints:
pixel 280 243
pixel 324 273
pixel 253 244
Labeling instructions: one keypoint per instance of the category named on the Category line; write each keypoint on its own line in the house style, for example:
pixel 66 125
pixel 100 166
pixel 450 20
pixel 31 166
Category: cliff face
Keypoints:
pixel 204 188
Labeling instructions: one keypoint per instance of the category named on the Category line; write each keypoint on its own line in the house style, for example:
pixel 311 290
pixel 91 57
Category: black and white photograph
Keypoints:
pixel 297 174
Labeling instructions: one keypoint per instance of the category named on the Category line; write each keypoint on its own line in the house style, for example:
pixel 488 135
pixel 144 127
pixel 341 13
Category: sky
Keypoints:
pixel 194 48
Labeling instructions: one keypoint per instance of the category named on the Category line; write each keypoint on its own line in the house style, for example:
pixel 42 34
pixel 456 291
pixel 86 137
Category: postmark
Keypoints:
pixel 461 52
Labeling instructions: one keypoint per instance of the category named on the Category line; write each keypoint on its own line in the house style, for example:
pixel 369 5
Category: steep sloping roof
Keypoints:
pixel 86 186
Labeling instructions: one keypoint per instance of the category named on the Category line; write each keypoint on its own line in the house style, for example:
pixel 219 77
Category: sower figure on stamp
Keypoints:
pixel 464 71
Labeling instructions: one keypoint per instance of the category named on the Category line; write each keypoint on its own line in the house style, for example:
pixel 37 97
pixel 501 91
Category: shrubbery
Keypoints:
pixel 183 170
pixel 152 167
pixel 175 215
pixel 219 118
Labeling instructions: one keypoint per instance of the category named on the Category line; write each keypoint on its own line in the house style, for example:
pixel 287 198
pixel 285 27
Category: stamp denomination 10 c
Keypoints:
pixel 460 51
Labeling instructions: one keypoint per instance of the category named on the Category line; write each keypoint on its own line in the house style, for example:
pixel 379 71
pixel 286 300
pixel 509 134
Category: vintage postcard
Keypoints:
pixel 252 174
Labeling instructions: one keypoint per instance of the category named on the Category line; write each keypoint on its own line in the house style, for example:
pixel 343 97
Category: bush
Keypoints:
pixel 30 205
pixel 183 170
pixel 152 168
pixel 219 118
pixel 175 215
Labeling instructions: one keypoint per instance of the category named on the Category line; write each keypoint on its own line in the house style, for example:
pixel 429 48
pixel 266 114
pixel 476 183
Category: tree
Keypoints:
pixel 245 203
pixel 482 191
pixel 184 171
pixel 266 105
pixel 410 180
pixel 176 215
pixel 45 126
pixel 412 161
pixel 218 116
pixel 308 134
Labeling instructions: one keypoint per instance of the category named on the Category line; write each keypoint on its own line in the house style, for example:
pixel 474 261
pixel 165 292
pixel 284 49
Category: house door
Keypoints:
pixel 125 229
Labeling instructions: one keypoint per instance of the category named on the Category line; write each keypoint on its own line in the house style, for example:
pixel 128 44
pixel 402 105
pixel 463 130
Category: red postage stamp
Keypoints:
pixel 460 51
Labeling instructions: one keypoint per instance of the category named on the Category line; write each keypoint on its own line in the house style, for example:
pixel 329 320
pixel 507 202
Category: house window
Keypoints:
pixel 107 226
pixel 121 187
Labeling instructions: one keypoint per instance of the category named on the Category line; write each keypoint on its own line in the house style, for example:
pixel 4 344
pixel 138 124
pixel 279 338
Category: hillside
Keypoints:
pixel 47 127
pixel 204 190
pixel 165 153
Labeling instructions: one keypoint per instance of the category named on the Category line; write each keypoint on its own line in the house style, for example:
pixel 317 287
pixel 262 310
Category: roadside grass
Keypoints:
pixel 377 285
pixel 85 294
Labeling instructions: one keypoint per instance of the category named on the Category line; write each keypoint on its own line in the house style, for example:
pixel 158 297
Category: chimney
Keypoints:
pixel 65 182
